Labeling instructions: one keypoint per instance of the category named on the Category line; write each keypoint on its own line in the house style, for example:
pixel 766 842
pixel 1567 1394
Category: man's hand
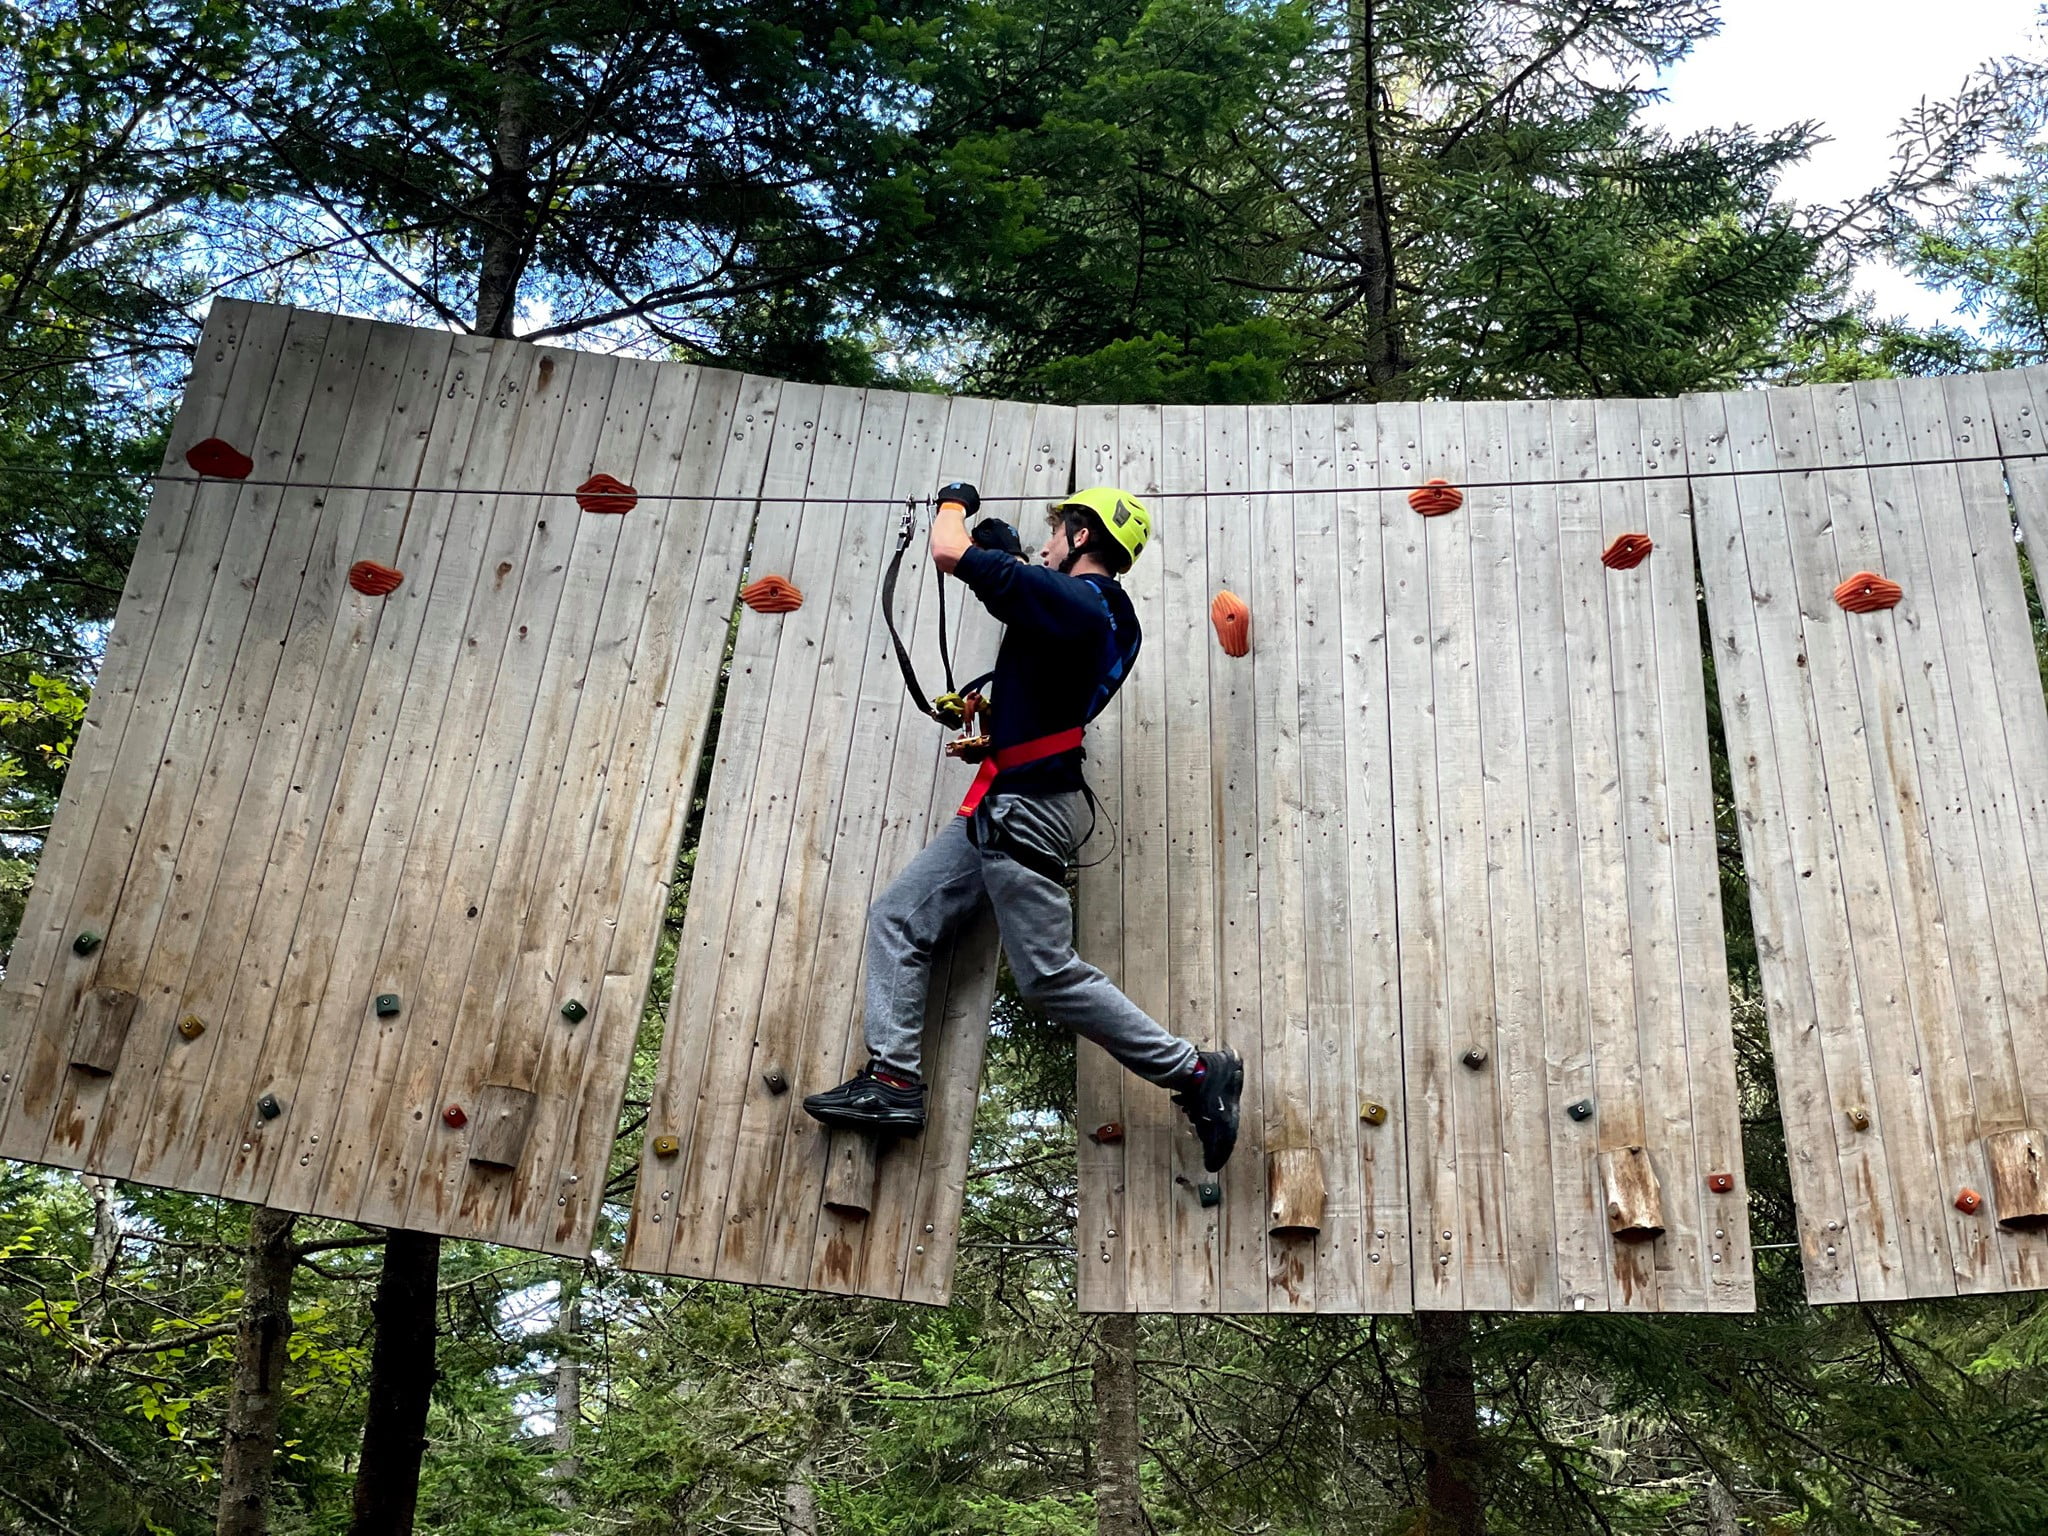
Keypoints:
pixel 993 533
pixel 950 540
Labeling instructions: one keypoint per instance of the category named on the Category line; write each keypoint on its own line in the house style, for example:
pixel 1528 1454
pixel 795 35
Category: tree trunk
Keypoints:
pixel 799 1502
pixel 502 226
pixel 568 1391
pixel 256 1394
pixel 1373 235
pixel 1454 1498
pixel 1118 1509
pixel 402 1379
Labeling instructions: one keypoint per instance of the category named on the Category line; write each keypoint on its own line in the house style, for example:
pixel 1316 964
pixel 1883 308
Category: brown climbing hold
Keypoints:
pixel 1968 1201
pixel 1233 621
pixel 1720 1183
pixel 1867 592
pixel 191 1026
pixel 603 493
pixel 221 460
pixel 1627 552
pixel 374 580
pixel 666 1146
pixel 454 1116
pixel 1106 1135
pixel 1433 498
pixel 772 594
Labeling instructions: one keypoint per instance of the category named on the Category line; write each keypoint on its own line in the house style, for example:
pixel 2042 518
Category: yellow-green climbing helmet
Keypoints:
pixel 1120 512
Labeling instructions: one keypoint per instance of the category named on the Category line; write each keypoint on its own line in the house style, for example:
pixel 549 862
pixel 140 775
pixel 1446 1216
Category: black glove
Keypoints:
pixel 994 533
pixel 963 493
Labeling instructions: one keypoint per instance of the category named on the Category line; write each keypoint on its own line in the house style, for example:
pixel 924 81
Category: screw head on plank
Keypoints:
pixel 191 1026
pixel 574 1011
pixel 85 943
pixel 387 1004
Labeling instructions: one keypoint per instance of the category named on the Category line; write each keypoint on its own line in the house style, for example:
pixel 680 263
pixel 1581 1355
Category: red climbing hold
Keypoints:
pixel 1867 592
pixel 454 1116
pixel 374 580
pixel 1233 622
pixel 1968 1201
pixel 1627 552
pixel 1107 1135
pixel 1720 1183
pixel 771 594
pixel 602 493
pixel 221 460
pixel 1433 498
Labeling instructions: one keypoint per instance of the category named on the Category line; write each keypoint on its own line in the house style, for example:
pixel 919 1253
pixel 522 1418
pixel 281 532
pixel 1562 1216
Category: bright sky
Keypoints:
pixel 1857 66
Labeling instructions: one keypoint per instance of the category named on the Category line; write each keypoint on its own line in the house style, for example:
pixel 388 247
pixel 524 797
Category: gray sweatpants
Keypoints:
pixel 948 881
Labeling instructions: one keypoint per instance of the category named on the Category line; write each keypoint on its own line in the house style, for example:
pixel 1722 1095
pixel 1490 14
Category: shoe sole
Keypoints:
pixel 840 1120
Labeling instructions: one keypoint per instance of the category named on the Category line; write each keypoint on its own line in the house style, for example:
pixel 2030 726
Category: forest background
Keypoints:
pixel 1077 200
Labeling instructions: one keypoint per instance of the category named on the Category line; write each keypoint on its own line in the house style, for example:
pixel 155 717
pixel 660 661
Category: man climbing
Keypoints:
pixel 1070 641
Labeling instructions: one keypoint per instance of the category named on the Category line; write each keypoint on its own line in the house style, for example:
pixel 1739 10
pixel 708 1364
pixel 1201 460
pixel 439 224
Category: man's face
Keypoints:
pixel 1057 547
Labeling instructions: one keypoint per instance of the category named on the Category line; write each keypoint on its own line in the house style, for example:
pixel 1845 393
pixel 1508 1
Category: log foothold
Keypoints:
pixel 1294 1178
pixel 503 1117
pixel 103 1020
pixel 850 1161
pixel 2019 1177
pixel 1635 1205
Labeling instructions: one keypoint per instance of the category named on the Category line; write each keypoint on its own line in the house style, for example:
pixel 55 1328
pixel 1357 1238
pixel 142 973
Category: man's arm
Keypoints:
pixel 950 538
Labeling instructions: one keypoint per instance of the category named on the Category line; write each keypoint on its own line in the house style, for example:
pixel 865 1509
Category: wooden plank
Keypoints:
pixel 1363 522
pixel 126 876
pixel 815 1245
pixel 249 932
pixel 1602 826
pixel 459 760
pixel 621 891
pixel 303 1027
pixel 1789 855
pixel 818 434
pixel 1679 1255
pixel 1287 1075
pixel 232 367
pixel 252 777
pixel 505 1009
pixel 1315 575
pixel 1105 1170
pixel 752 1247
pixel 1480 1241
pixel 1234 753
pixel 1897 681
pixel 1709 1044
pixel 1577 1213
pixel 1429 1052
pixel 1501 609
pixel 1183 651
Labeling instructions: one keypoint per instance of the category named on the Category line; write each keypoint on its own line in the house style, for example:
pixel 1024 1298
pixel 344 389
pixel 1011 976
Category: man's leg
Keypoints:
pixel 1024 840
pixel 920 908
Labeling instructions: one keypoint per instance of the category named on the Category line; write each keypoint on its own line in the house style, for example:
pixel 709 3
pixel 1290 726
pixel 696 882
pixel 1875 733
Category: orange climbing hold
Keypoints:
pixel 222 460
pixel 1433 498
pixel 1968 1201
pixel 602 493
pixel 771 594
pixel 374 580
pixel 1866 592
pixel 1627 552
pixel 1233 621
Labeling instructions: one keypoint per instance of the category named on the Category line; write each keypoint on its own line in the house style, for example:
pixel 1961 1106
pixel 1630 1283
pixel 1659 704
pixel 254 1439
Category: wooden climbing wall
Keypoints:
pixel 1455 799
pixel 290 798
pixel 1891 774
pixel 827 780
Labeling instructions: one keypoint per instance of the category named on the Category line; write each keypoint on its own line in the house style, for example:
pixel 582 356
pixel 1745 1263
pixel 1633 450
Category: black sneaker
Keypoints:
pixel 1211 1106
pixel 865 1103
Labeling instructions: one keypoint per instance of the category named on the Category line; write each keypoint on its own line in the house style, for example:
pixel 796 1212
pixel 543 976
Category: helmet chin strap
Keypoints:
pixel 1074 553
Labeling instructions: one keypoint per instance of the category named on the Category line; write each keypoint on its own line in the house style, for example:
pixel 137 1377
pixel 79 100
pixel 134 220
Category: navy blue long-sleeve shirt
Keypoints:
pixel 1070 643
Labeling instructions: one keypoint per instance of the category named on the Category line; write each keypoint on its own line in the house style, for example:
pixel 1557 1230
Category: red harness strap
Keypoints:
pixel 1016 757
